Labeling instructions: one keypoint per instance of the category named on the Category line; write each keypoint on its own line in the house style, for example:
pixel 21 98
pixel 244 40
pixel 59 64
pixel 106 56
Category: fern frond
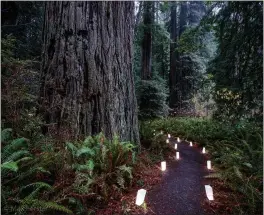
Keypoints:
pixel 99 137
pixel 18 154
pixel 115 140
pixel 250 150
pixel 10 165
pixel 120 181
pixel 90 164
pixel 88 142
pixel 126 169
pixel 79 206
pixel 43 206
pixel 83 183
pixel 71 147
pixel 237 172
pixel 214 175
pixel 37 185
pixel 15 145
pixel 128 146
pixel 28 173
pixel 84 150
pixel 104 153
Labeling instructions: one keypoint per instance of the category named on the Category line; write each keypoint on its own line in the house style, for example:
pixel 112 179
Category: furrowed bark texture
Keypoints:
pixel 87 81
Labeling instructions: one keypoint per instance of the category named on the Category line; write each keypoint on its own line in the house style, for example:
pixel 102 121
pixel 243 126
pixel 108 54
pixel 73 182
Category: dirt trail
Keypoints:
pixel 181 190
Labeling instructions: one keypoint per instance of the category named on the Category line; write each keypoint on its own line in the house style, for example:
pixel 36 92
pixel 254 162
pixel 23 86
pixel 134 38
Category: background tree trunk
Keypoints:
pixel 182 73
pixel 87 82
pixel 173 56
pixel 148 20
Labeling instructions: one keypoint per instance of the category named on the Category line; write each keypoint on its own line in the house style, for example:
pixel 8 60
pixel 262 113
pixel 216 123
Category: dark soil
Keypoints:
pixel 181 190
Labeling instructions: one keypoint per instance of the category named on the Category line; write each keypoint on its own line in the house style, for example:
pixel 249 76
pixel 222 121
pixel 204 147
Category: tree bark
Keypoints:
pixel 87 82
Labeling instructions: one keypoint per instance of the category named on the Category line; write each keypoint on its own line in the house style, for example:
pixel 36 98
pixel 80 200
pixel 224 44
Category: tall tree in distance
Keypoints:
pixel 151 58
pixel 173 55
pixel 148 21
pixel 87 83
pixel 186 64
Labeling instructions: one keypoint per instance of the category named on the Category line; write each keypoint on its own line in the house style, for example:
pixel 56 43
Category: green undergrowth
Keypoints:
pixel 236 150
pixel 72 179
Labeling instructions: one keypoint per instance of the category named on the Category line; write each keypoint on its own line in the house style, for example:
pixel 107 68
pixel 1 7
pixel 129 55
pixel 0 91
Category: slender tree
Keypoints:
pixel 148 20
pixel 173 55
pixel 87 82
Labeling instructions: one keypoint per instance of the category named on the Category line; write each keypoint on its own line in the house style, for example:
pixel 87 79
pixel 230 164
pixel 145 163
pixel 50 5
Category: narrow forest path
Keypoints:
pixel 181 190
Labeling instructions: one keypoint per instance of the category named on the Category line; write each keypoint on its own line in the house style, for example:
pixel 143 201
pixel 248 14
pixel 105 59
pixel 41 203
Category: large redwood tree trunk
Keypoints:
pixel 87 83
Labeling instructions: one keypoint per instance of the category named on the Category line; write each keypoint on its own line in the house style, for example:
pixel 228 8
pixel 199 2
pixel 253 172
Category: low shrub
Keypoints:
pixel 152 96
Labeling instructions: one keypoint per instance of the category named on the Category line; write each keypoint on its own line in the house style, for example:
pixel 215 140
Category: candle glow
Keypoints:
pixel 203 150
pixel 163 165
pixel 209 166
pixel 140 197
pixel 177 155
pixel 209 192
